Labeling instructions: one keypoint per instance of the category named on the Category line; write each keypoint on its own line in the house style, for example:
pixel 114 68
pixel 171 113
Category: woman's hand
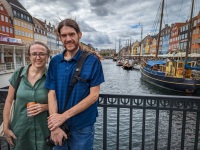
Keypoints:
pixel 9 135
pixel 36 109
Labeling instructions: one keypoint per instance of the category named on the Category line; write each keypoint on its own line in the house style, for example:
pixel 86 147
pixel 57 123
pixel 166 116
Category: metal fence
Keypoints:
pixel 146 122
pixel 181 122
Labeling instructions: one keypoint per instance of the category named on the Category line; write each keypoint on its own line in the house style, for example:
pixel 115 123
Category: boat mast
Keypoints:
pixel 141 41
pixel 159 34
pixel 189 35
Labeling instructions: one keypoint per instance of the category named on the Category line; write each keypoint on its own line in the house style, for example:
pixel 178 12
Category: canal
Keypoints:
pixel 120 81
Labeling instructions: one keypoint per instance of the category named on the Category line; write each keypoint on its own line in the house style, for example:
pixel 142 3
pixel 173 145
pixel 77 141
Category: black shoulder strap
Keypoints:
pixel 18 81
pixel 76 75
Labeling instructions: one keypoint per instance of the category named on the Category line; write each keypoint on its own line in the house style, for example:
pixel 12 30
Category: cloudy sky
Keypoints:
pixel 104 22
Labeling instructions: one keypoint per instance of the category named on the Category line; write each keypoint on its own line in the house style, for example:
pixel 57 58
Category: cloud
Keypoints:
pixel 104 22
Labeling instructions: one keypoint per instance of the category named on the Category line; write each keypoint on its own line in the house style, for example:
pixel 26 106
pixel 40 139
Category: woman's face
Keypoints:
pixel 38 55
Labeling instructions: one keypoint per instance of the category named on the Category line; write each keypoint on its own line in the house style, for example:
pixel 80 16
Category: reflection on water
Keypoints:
pixel 121 81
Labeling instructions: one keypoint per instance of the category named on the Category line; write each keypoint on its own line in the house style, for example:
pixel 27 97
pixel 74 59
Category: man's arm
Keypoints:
pixel 55 120
pixel 56 134
pixel 52 102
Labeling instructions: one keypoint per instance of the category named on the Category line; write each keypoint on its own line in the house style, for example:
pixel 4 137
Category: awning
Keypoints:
pixel 151 63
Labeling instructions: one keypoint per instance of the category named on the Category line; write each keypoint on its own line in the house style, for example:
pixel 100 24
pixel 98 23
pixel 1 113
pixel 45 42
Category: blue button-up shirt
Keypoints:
pixel 59 77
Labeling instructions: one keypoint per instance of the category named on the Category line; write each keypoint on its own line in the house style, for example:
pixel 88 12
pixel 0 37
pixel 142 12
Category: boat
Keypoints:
pixel 170 75
pixel 178 74
pixel 119 62
pixel 114 58
pixel 127 65
pixel 136 66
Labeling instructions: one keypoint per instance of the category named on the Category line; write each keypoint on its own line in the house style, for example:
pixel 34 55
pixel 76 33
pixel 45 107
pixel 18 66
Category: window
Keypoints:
pixel 11 30
pixel 6 18
pixel 15 22
pixel 2 18
pixel 195 23
pixel 16 32
pixel 18 14
pixel 22 24
pixel 22 33
pixel 19 32
pixel 3 28
pixel 7 29
pixel 22 16
pixel 14 12
pixel 18 23
pixel 1 8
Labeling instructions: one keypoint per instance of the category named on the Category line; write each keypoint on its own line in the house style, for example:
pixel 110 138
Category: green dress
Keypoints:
pixel 30 131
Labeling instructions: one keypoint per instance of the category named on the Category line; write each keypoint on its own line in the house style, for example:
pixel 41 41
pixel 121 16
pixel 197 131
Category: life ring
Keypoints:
pixel 180 71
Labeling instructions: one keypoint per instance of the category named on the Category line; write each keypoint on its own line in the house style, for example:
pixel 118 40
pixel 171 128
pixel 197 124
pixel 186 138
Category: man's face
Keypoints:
pixel 70 38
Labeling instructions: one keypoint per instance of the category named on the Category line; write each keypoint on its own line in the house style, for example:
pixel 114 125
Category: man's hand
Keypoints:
pixel 55 120
pixel 57 136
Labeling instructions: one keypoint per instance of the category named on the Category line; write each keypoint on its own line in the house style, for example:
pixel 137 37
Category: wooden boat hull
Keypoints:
pixel 177 84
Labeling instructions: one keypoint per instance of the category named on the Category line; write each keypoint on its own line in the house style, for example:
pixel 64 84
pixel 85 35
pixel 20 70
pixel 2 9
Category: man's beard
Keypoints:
pixel 76 45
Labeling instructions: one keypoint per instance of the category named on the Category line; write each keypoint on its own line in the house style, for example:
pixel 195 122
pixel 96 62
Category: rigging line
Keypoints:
pixel 165 17
pixel 180 11
pixel 196 7
pixel 156 21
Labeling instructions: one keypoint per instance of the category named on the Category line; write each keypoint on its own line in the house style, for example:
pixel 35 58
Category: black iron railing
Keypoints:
pixel 181 113
pixel 145 122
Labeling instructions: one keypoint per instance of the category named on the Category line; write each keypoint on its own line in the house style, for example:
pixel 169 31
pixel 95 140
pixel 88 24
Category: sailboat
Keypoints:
pixel 173 74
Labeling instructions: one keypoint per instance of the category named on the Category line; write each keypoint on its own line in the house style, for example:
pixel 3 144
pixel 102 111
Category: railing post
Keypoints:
pixel 143 124
pixel 169 130
pixel 105 123
pixel 130 125
pixel 118 110
pixel 156 125
pixel 197 131
pixel 183 129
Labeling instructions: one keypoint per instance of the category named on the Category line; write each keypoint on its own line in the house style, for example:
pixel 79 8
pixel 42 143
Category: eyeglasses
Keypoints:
pixel 41 55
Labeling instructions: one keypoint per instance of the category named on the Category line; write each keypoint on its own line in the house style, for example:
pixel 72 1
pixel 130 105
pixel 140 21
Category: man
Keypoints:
pixel 81 112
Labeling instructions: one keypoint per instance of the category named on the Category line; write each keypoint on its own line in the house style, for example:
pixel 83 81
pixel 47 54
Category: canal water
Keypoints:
pixel 120 81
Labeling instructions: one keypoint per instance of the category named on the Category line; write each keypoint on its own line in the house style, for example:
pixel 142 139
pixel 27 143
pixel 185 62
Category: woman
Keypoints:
pixel 29 129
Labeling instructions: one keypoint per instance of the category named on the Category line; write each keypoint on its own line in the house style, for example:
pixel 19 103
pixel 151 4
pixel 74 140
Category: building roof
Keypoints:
pixel 15 4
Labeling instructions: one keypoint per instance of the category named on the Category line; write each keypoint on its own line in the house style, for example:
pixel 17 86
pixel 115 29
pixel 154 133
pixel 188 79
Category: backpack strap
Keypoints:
pixel 76 77
pixel 18 81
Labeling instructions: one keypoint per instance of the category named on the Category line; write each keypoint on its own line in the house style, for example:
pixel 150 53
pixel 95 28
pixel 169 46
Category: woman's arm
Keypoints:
pixel 6 114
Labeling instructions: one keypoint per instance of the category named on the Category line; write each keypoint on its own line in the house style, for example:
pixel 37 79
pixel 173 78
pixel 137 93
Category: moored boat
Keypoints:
pixel 119 62
pixel 127 65
pixel 174 77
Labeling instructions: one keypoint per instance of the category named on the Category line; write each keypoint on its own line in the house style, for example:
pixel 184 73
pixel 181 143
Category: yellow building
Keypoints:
pixel 22 21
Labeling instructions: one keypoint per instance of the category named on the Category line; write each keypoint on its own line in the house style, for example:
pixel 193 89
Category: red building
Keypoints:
pixel 6 27
pixel 174 37
pixel 195 46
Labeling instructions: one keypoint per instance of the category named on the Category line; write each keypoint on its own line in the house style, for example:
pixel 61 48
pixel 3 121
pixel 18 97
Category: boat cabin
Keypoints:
pixel 177 69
